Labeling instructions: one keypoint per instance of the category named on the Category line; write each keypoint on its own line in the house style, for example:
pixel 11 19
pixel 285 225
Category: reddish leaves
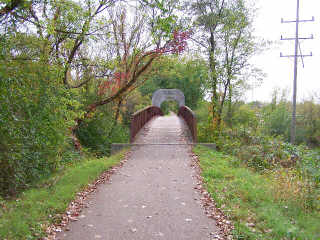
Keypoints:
pixel 175 46
pixel 178 44
pixel 114 84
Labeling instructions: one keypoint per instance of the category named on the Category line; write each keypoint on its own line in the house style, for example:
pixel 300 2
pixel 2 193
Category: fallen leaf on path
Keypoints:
pixel 160 234
pixel 211 210
pixel 73 219
pixel 133 230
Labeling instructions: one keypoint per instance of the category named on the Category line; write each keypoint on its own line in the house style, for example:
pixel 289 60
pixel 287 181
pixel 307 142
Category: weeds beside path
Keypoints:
pixel 28 216
pixel 249 199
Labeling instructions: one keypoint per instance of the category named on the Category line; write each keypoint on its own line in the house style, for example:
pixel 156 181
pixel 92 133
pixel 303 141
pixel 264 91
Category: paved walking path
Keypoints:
pixel 151 197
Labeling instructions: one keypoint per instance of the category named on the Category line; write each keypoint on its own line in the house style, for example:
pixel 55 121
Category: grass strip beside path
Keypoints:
pixel 248 200
pixel 28 216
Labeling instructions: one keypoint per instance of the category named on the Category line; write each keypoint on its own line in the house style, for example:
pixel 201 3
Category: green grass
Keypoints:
pixel 27 216
pixel 247 198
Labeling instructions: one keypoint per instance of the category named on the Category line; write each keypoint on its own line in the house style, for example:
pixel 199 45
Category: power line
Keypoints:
pixel 297 48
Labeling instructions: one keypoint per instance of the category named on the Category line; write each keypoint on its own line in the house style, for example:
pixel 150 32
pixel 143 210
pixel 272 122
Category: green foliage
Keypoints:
pixel 98 132
pixel 245 116
pixel 266 153
pixel 260 206
pixel 259 143
pixel 277 121
pixel 308 123
pixel 28 216
pixel 309 169
pixel 35 115
pixel 164 17
pixel 184 74
pixel 133 103
pixel 224 33
pixel 40 59
pixel 310 164
pixel 169 106
pixel 205 133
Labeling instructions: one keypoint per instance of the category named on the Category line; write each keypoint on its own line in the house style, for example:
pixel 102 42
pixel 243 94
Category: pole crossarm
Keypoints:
pixel 300 38
pixel 302 55
pixel 293 21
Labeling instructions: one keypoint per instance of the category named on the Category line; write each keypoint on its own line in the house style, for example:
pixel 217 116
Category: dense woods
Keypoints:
pixel 73 72
pixel 61 61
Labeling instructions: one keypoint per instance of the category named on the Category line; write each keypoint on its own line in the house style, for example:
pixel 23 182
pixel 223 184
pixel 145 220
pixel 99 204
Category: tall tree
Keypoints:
pixel 55 67
pixel 238 45
pixel 207 24
pixel 223 31
pixel 133 46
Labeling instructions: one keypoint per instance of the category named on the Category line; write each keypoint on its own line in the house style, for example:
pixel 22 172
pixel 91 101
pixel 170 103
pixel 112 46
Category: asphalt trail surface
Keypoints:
pixel 151 197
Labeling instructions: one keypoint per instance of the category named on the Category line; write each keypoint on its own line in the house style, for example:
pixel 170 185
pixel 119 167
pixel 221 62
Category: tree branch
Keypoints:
pixel 10 7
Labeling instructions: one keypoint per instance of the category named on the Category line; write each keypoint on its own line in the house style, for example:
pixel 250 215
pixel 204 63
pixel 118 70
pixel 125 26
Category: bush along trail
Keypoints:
pixel 269 205
pixel 40 211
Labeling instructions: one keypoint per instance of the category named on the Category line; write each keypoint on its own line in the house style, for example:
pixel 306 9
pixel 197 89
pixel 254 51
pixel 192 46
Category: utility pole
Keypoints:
pixel 296 55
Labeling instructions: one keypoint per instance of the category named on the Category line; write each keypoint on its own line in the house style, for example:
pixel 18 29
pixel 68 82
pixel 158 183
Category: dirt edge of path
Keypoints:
pixel 79 203
pixel 211 210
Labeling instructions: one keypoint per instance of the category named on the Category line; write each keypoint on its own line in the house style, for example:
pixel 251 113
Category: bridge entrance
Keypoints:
pixel 162 95
pixel 169 106
pixel 140 118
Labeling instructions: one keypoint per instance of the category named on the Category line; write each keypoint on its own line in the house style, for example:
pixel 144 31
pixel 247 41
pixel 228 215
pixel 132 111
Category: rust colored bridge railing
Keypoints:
pixel 190 118
pixel 140 118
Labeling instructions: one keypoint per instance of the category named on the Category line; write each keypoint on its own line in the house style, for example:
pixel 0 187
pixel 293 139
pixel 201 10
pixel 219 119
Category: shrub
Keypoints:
pixel 98 133
pixel 309 168
pixel 169 106
pixel 35 115
pixel 277 122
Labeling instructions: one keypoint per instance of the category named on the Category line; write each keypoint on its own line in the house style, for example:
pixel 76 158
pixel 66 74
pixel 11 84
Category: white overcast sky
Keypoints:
pixel 280 70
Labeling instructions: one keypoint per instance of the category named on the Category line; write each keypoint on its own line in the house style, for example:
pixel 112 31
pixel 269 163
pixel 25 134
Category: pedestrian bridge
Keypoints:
pixel 152 196
pixel 140 118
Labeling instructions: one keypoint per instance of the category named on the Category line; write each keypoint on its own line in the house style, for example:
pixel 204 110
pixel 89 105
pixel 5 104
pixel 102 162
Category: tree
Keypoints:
pixel 69 41
pixel 131 54
pixel 224 33
pixel 52 76
pixel 7 7
pixel 208 22
pixel 185 73
pixel 238 46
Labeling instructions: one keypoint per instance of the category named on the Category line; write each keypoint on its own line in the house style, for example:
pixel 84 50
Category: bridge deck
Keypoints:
pixel 152 196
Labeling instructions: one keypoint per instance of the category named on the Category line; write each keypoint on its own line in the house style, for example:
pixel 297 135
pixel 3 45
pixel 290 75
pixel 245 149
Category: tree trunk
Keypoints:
pixel 229 110
pixel 116 117
pixel 118 95
pixel 214 80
